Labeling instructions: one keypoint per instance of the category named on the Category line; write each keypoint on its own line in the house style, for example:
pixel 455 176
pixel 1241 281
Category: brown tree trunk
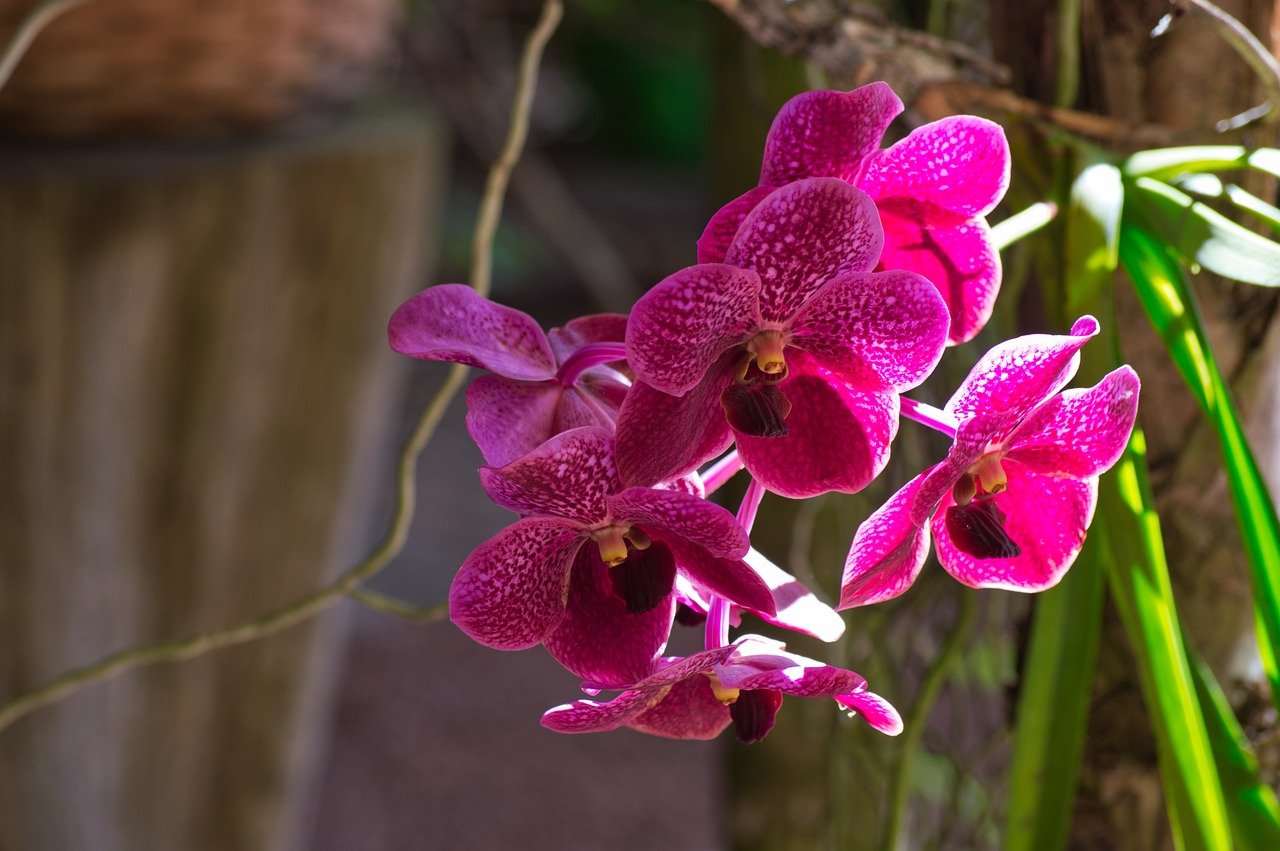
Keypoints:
pixel 195 397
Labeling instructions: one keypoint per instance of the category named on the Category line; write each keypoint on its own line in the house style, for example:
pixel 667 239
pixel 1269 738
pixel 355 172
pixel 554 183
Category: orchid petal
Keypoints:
pixel 1016 376
pixel 1045 516
pixel 597 639
pixel 888 551
pixel 452 322
pixel 662 437
pixel 1080 433
pixel 681 515
pixel 797 607
pixel 568 476
pixel 723 227
pixel 729 578
pixel 874 709
pixel 959 163
pixel 508 419
pixel 827 133
pixel 595 328
pixel 808 461
pixel 589 716
pixel 957 255
pixel 688 711
pixel 510 592
pixel 800 681
pixel 682 326
pixel 973 438
pixel 579 408
pixel 880 331
pixel 802 236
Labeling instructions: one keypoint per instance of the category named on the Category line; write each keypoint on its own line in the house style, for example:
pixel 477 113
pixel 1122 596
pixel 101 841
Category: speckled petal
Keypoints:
pixel 662 437
pixel 956 255
pixel 508 419
pixel 1080 433
pixel 802 236
pixel 827 133
pixel 1046 517
pixel 801 681
pixel 730 578
pixel 681 515
pixel 682 326
pixel 510 592
pixel 797 607
pixel 590 716
pixel 568 476
pixel 880 331
pixel 971 441
pixel 688 711
pixel 1016 376
pixel 873 709
pixel 595 328
pixel 452 322
pixel 887 553
pixel 578 408
pixel 597 639
pixel 723 227
pixel 808 461
pixel 959 163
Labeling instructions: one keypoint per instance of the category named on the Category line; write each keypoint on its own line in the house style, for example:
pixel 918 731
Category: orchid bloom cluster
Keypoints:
pixel 819 298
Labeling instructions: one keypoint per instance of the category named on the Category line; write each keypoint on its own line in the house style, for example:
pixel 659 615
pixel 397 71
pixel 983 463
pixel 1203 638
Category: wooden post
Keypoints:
pixel 195 400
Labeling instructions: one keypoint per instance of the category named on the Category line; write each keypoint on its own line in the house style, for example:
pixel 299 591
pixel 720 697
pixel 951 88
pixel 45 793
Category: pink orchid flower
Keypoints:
pixel 793 347
pixel 542 384
pixel 589 569
pixel 1010 505
pixel 933 189
pixel 741 684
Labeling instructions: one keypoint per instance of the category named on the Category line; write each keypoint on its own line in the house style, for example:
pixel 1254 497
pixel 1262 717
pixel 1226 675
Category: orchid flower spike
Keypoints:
pixel 1010 504
pixel 542 384
pixel 741 684
pixel 589 570
pixel 792 347
pixel 933 189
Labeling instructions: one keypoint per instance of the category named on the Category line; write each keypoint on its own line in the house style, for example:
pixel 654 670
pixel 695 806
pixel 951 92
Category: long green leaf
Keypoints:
pixel 1167 163
pixel 1251 804
pixel 1139 581
pixel 1202 235
pixel 1170 304
pixel 1212 186
pixel 1053 706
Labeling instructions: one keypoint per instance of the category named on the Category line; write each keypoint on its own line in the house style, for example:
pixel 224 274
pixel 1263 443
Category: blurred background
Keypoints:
pixel 208 212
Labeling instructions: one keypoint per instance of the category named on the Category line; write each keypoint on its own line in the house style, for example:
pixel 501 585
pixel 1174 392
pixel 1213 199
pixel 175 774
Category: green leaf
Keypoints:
pixel 1167 163
pixel 1202 235
pixel 1170 304
pixel 1252 808
pixel 1212 186
pixel 1139 581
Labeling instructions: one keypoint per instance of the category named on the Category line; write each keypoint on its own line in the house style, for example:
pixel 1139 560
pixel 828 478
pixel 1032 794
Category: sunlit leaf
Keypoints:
pixel 1168 163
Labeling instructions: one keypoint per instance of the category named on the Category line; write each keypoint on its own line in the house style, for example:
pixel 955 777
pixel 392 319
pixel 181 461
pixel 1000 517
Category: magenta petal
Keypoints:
pixel 589 716
pixel 681 515
pixel 808 461
pixel 452 322
pixel 803 681
pixel 723 227
pixel 596 328
pixel 1045 516
pixel 1080 433
pixel 1016 376
pixel 874 709
pixel 688 711
pixel 887 553
pixel 971 442
pixel 578 408
pixel 568 476
pixel 682 326
pixel 597 639
pixel 802 236
pixel 729 578
pixel 797 607
pixel 956 255
pixel 509 418
pixel 960 164
pixel 827 133
pixel 880 331
pixel 662 437
pixel 510 592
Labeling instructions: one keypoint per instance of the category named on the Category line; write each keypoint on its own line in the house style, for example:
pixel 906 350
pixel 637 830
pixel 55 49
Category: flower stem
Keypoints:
pixel 913 732
pixel 585 357
pixel 30 27
pixel 934 418
pixel 718 615
pixel 721 471
pixel 1022 223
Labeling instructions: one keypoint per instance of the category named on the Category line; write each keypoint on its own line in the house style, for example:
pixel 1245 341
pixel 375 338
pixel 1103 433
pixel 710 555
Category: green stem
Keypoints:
pixel 1067 84
pixel 406 611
